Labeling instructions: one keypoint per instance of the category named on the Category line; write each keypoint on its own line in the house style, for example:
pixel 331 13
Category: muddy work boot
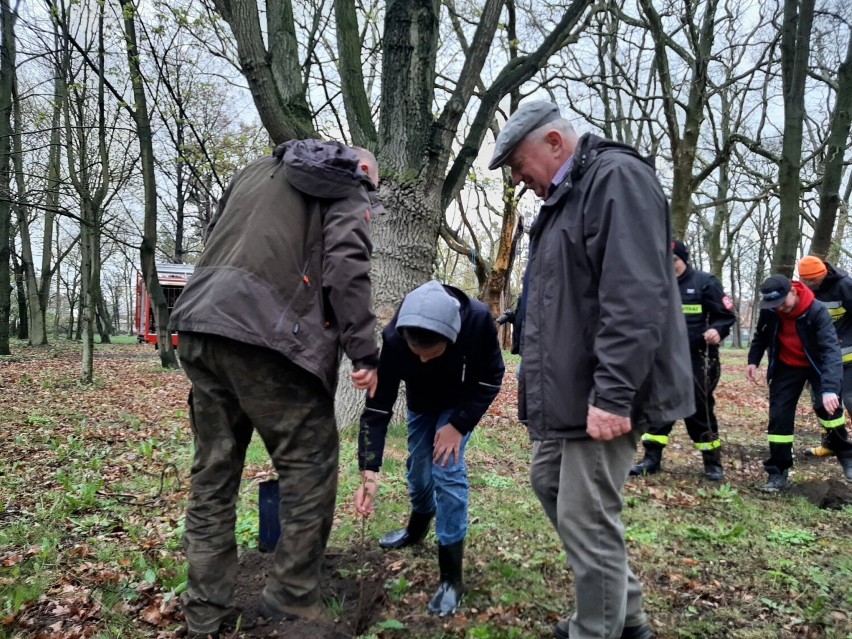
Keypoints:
pixel 413 533
pixel 274 612
pixel 846 463
pixel 777 483
pixel 650 464
pixel 447 598
pixel 713 465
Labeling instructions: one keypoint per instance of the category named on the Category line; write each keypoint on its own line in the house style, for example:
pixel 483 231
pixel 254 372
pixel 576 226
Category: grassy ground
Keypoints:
pixel 94 484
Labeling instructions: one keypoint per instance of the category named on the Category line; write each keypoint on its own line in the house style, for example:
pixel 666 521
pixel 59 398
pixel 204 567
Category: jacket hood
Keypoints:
pixel 806 300
pixel 591 146
pixel 320 169
pixel 432 308
pixel 835 273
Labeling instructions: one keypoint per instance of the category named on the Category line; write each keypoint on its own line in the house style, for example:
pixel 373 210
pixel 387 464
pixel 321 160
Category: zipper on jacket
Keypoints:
pixel 464 367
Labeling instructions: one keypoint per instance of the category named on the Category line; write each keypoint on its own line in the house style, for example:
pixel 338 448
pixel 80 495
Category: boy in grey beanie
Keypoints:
pixel 444 346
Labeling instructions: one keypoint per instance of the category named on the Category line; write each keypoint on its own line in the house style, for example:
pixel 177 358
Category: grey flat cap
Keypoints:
pixel 526 119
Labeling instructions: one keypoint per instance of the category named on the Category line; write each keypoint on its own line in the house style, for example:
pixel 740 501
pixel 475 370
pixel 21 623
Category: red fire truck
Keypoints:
pixel 173 277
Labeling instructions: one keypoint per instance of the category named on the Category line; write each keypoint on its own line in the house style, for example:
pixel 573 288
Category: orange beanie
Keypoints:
pixel 811 268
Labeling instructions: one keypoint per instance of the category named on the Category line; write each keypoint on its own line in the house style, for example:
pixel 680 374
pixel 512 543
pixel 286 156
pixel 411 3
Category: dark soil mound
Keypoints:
pixel 831 494
pixel 356 601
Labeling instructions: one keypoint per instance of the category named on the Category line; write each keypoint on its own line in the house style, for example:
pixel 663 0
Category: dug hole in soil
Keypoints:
pixel 830 494
pixel 355 581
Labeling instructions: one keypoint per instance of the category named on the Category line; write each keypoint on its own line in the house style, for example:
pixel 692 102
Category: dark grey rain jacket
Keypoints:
pixel 603 323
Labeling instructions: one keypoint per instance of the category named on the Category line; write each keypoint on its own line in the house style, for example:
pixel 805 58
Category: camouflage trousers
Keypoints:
pixel 237 389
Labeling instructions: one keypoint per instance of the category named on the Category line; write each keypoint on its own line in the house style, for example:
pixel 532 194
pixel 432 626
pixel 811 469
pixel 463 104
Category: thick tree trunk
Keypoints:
pixel 795 50
pixel 404 258
pixel 8 17
pixel 835 151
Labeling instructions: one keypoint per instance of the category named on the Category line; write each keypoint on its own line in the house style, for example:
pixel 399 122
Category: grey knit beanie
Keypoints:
pixel 430 307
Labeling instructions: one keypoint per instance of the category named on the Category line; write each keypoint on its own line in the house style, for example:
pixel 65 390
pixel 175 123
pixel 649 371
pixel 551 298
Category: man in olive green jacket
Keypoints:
pixel 283 284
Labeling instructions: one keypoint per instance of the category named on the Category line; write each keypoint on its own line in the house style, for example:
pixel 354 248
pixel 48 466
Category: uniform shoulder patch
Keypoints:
pixel 727 302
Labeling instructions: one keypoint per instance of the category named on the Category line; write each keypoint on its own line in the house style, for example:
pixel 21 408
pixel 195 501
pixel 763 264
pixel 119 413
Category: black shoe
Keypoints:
pixel 418 526
pixel 846 463
pixel 650 464
pixel 713 465
pixel 560 630
pixel 447 598
pixel 714 473
pixel 637 632
pixel 777 482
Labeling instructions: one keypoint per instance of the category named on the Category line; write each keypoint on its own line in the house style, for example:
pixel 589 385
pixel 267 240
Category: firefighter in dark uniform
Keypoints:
pixel 833 287
pixel 709 316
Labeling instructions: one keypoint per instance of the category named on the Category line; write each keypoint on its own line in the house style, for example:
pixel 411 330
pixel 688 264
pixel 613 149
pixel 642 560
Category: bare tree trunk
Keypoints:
pixel 180 195
pixel 835 149
pixel 88 267
pixel 102 318
pixel 38 288
pixel 8 16
pixel 795 51
pixel 148 246
pixel 21 294
pixel 684 144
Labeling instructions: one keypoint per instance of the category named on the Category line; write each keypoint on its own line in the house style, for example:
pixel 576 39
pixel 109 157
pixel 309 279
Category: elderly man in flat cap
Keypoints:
pixel 604 347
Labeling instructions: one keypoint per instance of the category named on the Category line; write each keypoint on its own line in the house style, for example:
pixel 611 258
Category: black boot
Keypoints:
pixel 846 462
pixel 713 465
pixel 560 631
pixel 447 598
pixel 650 464
pixel 413 533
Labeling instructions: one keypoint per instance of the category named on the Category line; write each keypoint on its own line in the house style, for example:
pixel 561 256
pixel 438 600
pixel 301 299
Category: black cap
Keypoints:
pixel 679 249
pixel 774 291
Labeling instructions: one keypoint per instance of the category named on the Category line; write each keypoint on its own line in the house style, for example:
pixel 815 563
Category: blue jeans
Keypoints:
pixel 433 488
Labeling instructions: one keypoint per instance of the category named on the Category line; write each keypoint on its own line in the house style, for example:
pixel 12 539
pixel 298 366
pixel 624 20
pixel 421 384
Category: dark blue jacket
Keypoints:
pixel 705 306
pixel 835 293
pixel 464 380
pixel 816 330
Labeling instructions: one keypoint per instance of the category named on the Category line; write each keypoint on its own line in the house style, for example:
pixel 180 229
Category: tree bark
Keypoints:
pixel 795 51
pixel 21 295
pixel 684 145
pixel 273 76
pixel 8 17
pixel 148 246
pixel 835 151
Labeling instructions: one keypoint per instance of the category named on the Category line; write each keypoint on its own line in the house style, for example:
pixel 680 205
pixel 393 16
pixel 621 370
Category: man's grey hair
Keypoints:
pixel 561 124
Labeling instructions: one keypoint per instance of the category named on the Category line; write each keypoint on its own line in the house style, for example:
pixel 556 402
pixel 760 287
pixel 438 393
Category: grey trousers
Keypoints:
pixel 579 484
pixel 237 389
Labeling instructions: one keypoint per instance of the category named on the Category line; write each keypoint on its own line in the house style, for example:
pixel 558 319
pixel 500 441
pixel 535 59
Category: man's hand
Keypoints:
pixel 830 402
pixel 365 378
pixel 447 442
pixel 751 373
pixel 605 426
pixel 366 493
pixel 712 337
